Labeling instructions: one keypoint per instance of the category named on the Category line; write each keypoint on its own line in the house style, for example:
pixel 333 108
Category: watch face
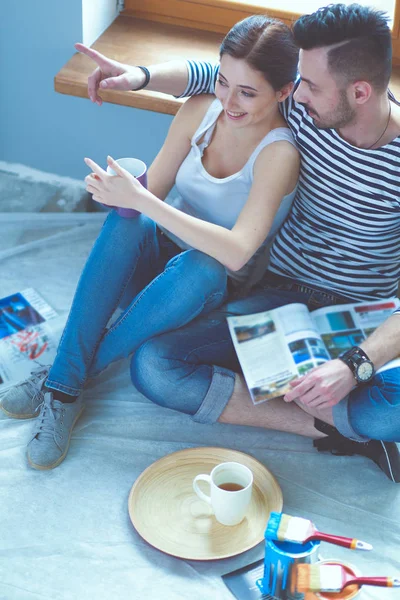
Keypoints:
pixel 365 371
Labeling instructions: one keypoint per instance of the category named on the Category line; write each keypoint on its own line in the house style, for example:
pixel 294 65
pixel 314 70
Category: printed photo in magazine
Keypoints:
pixel 29 334
pixel 242 582
pixel 280 345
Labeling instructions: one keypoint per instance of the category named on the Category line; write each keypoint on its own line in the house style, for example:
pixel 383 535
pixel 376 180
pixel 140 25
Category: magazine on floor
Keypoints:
pixel 277 346
pixel 29 333
pixel 242 582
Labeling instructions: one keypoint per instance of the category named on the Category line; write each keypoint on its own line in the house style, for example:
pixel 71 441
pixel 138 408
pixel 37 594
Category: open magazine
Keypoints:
pixel 277 346
pixel 29 333
pixel 242 582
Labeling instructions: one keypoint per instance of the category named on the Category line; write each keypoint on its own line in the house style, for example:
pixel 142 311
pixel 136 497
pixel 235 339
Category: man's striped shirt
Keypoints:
pixel 343 232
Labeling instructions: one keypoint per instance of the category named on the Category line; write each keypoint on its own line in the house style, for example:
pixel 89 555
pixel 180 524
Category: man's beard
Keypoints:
pixel 342 115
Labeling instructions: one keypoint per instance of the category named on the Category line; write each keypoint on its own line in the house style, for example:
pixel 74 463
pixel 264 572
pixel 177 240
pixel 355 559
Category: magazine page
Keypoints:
pixel 275 347
pixel 242 582
pixel 29 334
pixel 346 325
pixel 22 310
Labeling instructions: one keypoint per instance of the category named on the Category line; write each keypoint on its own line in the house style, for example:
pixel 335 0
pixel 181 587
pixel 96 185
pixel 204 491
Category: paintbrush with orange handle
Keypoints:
pixel 285 528
pixel 333 578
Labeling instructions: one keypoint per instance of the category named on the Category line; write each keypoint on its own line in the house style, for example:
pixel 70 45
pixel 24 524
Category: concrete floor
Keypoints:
pixel 23 189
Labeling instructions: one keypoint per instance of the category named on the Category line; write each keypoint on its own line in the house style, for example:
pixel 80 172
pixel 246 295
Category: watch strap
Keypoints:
pixel 353 358
pixel 355 350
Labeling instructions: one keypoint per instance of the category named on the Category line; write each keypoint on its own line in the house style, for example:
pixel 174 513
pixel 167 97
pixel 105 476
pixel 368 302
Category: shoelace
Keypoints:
pixel 36 377
pixel 34 382
pixel 49 414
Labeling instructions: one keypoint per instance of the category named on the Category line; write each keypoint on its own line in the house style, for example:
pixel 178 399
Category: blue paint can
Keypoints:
pixel 280 559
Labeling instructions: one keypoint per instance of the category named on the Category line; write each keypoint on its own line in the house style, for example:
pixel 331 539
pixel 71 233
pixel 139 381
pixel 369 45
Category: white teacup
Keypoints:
pixel 230 485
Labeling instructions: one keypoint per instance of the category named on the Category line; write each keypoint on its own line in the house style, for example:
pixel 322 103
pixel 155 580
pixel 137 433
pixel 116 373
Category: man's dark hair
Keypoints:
pixel 267 45
pixel 366 50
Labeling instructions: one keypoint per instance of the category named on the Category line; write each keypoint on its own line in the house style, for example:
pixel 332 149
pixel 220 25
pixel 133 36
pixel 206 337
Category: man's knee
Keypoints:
pixel 374 411
pixel 148 366
pixel 160 372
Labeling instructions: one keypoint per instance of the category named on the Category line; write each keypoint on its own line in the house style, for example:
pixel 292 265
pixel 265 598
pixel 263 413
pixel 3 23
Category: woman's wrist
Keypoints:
pixel 144 200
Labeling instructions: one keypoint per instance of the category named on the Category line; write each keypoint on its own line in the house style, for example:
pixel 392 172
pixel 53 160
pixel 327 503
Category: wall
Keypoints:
pixel 96 17
pixel 50 131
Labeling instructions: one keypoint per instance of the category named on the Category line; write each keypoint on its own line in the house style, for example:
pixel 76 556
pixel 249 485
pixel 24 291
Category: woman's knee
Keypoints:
pixel 194 259
pixel 203 273
pixel 138 228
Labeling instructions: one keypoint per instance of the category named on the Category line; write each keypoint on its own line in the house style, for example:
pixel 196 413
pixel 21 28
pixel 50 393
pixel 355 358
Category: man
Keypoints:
pixel 340 244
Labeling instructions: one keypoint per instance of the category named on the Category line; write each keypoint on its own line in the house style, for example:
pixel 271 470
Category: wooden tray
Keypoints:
pixel 167 513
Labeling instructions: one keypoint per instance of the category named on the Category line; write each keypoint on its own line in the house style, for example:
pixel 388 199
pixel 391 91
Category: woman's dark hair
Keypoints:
pixel 267 45
pixel 365 50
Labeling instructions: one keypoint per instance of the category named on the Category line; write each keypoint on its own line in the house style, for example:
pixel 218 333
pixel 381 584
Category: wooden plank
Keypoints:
pixel 211 15
pixel 135 41
pixel 395 82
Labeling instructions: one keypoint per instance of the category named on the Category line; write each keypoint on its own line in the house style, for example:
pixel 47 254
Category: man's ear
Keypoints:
pixel 361 91
pixel 285 91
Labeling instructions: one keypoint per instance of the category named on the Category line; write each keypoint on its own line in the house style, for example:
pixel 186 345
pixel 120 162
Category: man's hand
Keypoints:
pixel 323 386
pixel 109 74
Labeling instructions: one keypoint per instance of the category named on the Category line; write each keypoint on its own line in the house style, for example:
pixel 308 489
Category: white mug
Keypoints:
pixel 230 486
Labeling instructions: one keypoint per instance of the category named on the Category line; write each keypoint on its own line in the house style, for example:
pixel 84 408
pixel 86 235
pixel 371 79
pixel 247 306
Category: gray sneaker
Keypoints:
pixel 52 432
pixel 23 400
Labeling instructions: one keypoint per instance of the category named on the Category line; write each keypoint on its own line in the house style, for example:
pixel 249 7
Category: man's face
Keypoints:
pixel 326 103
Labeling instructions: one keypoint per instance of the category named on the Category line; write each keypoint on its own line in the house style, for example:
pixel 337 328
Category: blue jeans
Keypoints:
pixel 134 266
pixel 193 369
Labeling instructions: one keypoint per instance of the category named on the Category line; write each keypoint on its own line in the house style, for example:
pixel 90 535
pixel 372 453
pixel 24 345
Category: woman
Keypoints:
pixel 235 167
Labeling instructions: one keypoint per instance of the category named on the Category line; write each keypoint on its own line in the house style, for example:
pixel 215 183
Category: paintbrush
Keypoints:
pixel 333 578
pixel 285 528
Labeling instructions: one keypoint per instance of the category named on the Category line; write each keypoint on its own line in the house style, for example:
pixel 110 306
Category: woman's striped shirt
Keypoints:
pixel 343 232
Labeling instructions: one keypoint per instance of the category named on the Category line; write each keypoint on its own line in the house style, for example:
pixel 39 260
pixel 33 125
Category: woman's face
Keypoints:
pixel 247 98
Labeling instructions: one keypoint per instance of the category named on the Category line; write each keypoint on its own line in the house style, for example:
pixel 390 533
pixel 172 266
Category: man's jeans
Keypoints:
pixel 133 266
pixel 193 369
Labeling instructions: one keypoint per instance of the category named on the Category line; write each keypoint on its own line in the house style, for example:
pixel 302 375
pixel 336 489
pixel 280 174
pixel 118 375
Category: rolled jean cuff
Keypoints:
pixel 66 389
pixel 217 397
pixel 342 423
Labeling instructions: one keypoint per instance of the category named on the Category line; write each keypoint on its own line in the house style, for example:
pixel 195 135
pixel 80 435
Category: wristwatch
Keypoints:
pixel 359 363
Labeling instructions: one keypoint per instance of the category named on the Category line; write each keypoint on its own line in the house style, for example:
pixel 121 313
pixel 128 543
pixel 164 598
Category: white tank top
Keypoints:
pixel 220 201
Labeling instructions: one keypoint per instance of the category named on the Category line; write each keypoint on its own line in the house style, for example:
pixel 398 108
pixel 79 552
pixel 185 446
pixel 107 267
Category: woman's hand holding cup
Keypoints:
pixel 121 186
